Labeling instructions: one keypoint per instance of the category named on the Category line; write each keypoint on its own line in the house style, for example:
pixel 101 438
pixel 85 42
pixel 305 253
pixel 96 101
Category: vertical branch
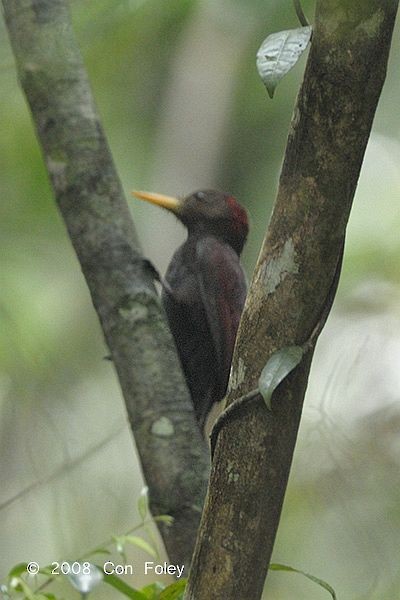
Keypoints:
pixel 173 455
pixel 292 281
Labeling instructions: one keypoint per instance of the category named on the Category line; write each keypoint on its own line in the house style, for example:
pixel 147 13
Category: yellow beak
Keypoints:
pixel 169 202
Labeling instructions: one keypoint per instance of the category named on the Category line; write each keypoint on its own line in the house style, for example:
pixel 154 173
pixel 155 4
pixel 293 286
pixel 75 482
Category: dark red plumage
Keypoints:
pixel 205 290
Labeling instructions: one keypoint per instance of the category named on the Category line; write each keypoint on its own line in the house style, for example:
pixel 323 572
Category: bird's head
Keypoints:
pixel 207 212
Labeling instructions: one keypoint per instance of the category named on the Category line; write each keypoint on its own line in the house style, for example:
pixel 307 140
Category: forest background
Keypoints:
pixel 183 108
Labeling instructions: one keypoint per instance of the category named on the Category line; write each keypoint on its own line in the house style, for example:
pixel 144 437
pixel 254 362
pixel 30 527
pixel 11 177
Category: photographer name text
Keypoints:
pixel 111 568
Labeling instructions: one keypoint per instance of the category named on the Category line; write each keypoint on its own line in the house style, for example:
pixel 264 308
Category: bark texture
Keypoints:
pixel 292 285
pixel 173 454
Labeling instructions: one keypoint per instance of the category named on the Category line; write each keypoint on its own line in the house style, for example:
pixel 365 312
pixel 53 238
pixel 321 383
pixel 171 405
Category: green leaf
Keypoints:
pixel 19 585
pixel 278 366
pixel 174 591
pixel 152 591
pixel 317 580
pixel 278 53
pixel 124 588
pixel 143 503
pixel 17 570
pixel 100 551
pixel 141 543
pixel 153 541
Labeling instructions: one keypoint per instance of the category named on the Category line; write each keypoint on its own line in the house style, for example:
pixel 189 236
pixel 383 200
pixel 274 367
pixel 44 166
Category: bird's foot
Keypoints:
pixel 156 275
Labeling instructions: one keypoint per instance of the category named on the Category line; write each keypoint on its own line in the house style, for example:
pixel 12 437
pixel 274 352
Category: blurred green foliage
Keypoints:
pixel 49 337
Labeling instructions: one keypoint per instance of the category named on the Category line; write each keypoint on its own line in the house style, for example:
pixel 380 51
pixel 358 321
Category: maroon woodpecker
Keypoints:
pixel 205 290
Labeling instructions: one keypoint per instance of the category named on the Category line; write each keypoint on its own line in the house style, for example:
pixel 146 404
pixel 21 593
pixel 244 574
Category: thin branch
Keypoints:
pixel 233 409
pixel 300 14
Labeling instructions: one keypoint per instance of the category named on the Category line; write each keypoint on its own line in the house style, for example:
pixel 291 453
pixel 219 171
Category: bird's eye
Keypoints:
pixel 200 195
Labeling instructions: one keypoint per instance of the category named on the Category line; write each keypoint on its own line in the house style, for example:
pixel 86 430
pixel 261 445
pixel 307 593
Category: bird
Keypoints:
pixel 204 290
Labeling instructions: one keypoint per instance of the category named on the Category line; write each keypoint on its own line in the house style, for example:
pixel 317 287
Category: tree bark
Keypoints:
pixel 173 454
pixel 292 286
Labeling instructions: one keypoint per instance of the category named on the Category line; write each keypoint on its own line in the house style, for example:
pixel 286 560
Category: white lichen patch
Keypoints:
pixel 295 120
pixel 237 376
pixel 57 170
pixel 279 267
pixel 233 477
pixel 86 109
pixel 372 25
pixel 135 312
pixel 163 427
pixel 32 67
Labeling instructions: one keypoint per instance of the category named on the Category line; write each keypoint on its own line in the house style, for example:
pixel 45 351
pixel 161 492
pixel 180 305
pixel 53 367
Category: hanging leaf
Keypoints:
pixel 278 366
pixel 279 52
pixel 317 580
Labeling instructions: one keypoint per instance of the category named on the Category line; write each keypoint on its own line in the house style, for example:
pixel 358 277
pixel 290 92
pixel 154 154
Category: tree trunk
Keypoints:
pixel 291 293
pixel 173 455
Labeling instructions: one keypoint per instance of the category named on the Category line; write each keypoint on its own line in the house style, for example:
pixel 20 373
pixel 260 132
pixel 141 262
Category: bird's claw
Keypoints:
pixel 156 275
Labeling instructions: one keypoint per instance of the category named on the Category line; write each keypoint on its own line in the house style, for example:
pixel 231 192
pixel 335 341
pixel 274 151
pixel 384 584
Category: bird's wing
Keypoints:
pixel 222 287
